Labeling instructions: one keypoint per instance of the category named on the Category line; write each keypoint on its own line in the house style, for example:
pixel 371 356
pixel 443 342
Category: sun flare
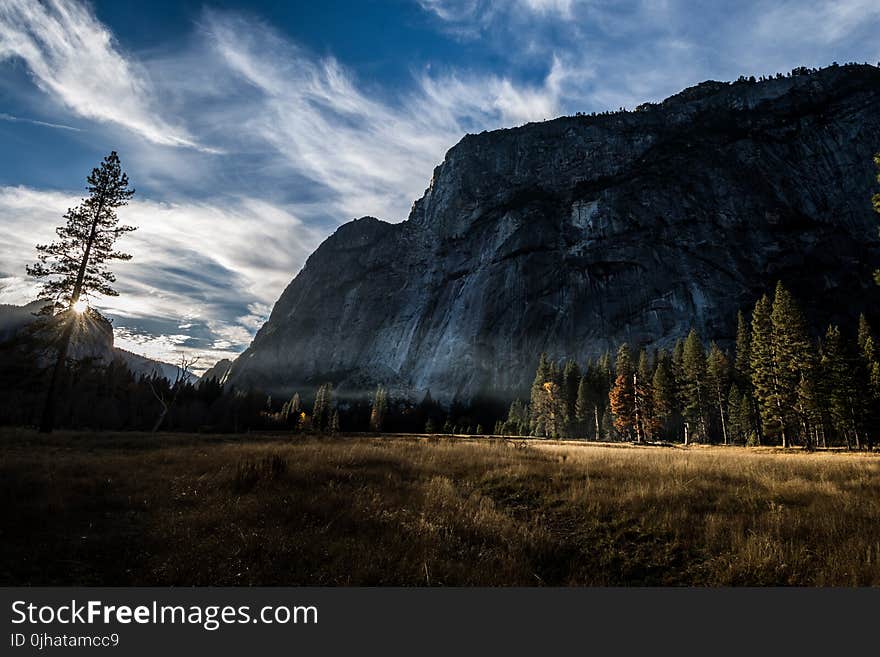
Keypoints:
pixel 80 307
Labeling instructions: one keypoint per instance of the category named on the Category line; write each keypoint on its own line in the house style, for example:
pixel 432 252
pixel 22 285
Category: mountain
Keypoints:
pixel 576 234
pixel 92 339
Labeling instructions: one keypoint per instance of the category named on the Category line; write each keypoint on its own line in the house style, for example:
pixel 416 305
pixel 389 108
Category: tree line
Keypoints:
pixel 778 386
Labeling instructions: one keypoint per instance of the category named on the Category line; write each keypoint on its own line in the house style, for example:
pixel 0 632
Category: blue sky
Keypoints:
pixel 251 130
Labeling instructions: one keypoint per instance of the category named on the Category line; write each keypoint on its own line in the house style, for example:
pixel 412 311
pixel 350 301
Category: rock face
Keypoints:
pixel 574 235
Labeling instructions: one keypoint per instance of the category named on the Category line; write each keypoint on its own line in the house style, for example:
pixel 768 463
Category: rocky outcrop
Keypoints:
pixel 574 235
pixel 219 371
pixel 23 328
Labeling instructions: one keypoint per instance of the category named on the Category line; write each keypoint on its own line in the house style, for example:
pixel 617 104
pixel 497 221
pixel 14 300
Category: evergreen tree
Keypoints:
pixel 643 399
pixel 537 402
pixel 552 407
pixel 291 409
pixel 73 267
pixel 695 391
pixel 664 397
pixel 322 412
pixel 583 408
pixel 864 332
pixel 792 362
pixel 840 387
pixel 718 377
pixel 761 358
pixel 875 201
pixel 870 375
pixel 379 409
pixel 742 374
pixel 741 363
pixel 601 379
pixel 622 396
pixel 571 377
pixel 517 419
pixel 736 426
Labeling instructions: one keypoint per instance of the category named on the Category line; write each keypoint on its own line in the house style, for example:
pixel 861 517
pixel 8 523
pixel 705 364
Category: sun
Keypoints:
pixel 80 306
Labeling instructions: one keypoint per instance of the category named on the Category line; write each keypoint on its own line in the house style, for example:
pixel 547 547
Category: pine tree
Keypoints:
pixel 622 396
pixel 517 419
pixel 73 267
pixel 643 398
pixel 571 377
pixel 840 387
pixel 736 426
pixel 601 380
pixel 792 359
pixel 537 402
pixel 870 376
pixel 741 363
pixel 875 201
pixel 718 377
pixel 380 409
pixel 695 391
pixel 322 412
pixel 864 332
pixel 583 408
pixel 663 391
pixel 761 358
pixel 742 373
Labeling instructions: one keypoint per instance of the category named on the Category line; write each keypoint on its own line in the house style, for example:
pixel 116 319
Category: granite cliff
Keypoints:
pixel 576 234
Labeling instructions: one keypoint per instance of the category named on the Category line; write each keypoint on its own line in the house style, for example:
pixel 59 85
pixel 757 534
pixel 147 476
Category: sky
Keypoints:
pixel 252 130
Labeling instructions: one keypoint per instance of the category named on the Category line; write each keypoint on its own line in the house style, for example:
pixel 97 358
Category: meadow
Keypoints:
pixel 182 509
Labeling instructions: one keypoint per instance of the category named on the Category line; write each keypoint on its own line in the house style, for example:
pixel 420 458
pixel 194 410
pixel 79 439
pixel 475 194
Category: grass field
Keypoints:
pixel 132 509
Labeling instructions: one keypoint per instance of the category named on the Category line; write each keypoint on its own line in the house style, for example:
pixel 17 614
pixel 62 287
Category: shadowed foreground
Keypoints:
pixel 131 509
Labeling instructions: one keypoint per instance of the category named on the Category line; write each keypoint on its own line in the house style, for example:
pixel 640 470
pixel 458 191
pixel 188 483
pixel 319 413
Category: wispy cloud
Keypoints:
pixel 638 50
pixel 76 60
pixel 373 155
pixel 45 124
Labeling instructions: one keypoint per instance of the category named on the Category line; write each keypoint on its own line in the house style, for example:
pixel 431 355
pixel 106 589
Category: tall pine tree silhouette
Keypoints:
pixel 73 266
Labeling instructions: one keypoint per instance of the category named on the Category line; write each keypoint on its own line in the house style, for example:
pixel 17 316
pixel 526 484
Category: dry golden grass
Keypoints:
pixel 128 509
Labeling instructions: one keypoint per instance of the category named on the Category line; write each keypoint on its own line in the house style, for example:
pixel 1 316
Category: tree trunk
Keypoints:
pixel 721 413
pixel 596 416
pixel 758 425
pixel 81 274
pixel 159 420
pixel 47 422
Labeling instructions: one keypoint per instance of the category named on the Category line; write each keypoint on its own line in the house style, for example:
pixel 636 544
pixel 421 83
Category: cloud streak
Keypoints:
pixel 76 60
pixel 371 155
pixel 45 124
